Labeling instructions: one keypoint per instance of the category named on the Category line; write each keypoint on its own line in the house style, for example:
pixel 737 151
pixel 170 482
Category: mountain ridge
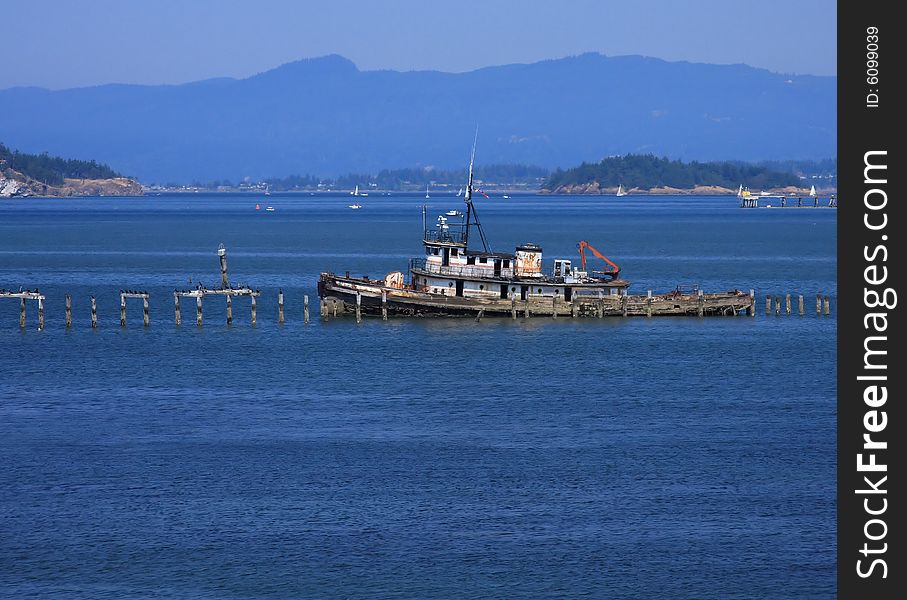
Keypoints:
pixel 325 115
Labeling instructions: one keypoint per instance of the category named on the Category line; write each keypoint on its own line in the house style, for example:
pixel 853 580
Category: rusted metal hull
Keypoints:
pixel 340 296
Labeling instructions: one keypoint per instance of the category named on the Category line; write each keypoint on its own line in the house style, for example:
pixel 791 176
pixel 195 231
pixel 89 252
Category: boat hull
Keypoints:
pixel 340 296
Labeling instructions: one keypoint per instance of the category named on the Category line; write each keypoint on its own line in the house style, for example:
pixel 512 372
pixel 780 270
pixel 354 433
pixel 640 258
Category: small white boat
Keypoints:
pixel 506 196
pixel 454 213
pixel 620 190
pixel 460 193
pixel 426 192
pixel 355 206
pixel 269 208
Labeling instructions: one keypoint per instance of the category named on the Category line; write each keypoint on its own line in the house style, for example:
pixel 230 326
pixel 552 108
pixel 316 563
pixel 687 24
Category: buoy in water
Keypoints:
pixel 258 207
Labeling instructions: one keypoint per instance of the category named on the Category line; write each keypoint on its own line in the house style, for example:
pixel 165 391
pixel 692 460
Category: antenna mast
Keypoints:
pixel 471 214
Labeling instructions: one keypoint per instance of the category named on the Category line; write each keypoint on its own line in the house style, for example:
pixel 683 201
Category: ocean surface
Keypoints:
pixel 614 458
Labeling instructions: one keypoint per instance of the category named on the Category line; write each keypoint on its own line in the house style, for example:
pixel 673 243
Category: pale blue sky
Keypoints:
pixel 59 43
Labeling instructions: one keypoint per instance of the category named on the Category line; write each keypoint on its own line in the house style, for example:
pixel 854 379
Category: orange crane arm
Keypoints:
pixel 615 270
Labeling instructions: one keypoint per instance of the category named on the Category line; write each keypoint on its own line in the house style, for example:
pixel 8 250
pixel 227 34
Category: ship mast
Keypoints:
pixel 471 214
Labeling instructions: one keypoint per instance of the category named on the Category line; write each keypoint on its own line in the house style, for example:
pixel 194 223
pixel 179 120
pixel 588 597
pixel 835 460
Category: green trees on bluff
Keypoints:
pixel 648 171
pixel 52 169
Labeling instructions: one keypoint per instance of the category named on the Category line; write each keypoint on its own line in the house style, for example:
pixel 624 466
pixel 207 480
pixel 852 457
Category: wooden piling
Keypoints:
pixel 358 307
pixel 554 306
pixel 574 307
pixel 768 305
pixel 601 305
pixel 68 311
pixel 176 309
pixel 818 304
pixel 280 306
pixel 254 310
pixel 222 255
pixel 146 318
pixel 827 306
pixel 787 303
pixel 94 313
pixel 512 306
pixel 480 315
pixel 751 310
pixel 384 305
pixel 800 309
pixel 41 313
pixel 625 301
pixel 122 309
pixel 305 309
pixel 777 306
pixel 701 302
pixel 229 309
pixel 648 303
pixel 526 314
pixel 198 310
pixel 22 313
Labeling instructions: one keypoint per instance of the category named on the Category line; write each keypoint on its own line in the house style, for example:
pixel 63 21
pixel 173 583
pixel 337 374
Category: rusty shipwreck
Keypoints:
pixel 452 279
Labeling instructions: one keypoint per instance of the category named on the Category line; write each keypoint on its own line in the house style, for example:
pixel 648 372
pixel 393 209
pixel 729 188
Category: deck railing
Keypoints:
pixel 457 270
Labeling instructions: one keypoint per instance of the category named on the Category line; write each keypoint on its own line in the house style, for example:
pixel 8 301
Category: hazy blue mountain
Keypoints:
pixel 324 116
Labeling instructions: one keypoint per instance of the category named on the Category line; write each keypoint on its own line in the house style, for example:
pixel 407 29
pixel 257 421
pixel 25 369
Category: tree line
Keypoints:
pixel 649 171
pixel 52 170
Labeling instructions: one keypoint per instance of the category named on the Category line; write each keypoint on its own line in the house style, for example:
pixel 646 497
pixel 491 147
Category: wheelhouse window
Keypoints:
pixel 470 260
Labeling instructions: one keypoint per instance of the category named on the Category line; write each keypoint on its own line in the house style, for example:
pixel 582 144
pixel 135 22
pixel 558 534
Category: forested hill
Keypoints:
pixel 52 170
pixel 23 174
pixel 648 172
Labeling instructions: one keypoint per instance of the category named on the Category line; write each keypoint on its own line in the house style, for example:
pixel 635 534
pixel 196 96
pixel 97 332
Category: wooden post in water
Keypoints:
pixel 145 316
pixel 827 306
pixel 573 306
pixel 701 299
pixel 176 309
pixel 254 310
pixel 94 313
pixel 526 314
pixel 787 303
pixel 512 306
pixel 777 306
pixel 601 305
pixel 649 303
pixel 818 304
pixel 122 309
pixel 198 310
pixel 68 311
pixel 229 309
pixel 280 306
pixel 22 313
pixel 305 309
pixel 41 313
pixel 751 310
pixel 358 307
pixel 384 305
pixel 800 309
pixel 480 315
pixel 768 305
pixel 624 304
pixel 554 306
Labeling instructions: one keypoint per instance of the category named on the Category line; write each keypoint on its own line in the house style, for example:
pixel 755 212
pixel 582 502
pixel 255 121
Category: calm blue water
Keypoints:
pixel 663 458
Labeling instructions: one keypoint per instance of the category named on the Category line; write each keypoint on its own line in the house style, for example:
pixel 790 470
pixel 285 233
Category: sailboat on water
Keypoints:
pixel 426 191
pixel 620 190
pixel 812 192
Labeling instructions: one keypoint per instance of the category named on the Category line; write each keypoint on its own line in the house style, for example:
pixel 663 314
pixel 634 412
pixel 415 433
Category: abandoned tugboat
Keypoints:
pixel 454 280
